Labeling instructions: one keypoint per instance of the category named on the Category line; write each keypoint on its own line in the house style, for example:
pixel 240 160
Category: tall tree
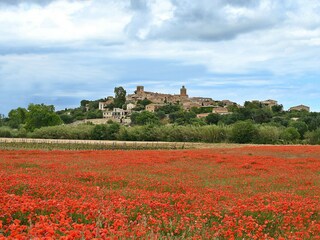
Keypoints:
pixel 120 97
pixel 40 115
pixel 17 116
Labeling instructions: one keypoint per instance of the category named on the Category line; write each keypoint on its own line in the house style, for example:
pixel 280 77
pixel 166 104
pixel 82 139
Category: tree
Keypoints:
pixel 243 132
pixel 144 102
pixel 40 115
pixel 213 118
pixel 262 115
pixel 120 97
pixel 84 102
pixel 302 127
pixel 277 108
pixel 1 119
pixel 17 116
pixel 170 108
pixel 290 135
pixel 144 118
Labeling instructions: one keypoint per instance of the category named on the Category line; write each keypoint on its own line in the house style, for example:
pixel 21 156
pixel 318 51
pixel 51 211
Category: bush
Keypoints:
pixel 243 132
pixel 215 134
pixel 313 137
pixel 290 135
pixel 105 131
pixel 302 127
pixel 268 135
pixel 5 132
pixel 81 131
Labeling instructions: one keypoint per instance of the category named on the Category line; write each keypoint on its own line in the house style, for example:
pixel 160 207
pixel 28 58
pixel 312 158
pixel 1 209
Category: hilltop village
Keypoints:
pixel 154 101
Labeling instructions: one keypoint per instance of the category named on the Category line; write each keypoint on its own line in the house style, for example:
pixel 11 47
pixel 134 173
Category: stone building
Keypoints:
pixel 160 98
pixel 300 108
pixel 153 107
pixel 269 103
pixel 220 110
pixel 103 105
pixel 118 115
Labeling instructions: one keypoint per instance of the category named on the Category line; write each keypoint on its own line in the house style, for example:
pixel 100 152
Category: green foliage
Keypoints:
pixel 313 137
pixel 244 132
pixel 263 115
pixel 17 117
pixel 84 102
pixel 302 127
pixel 213 118
pixel 2 119
pixel 5 132
pixel 66 118
pixel 182 117
pixel 252 105
pixel 277 108
pixel 120 97
pixel 144 118
pixel 105 131
pixel 40 115
pixel 81 131
pixel 170 108
pixel 290 135
pixel 268 134
pixel 144 102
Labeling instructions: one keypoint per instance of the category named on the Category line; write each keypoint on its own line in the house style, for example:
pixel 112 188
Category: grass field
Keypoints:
pixel 248 192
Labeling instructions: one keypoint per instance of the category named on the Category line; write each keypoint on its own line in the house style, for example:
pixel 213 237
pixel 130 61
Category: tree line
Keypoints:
pixel 252 123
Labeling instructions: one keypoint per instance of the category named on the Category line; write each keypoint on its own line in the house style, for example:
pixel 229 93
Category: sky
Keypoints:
pixel 62 51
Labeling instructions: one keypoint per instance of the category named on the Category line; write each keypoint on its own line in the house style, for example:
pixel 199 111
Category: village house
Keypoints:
pixel 153 107
pixel 103 105
pixel 220 110
pixel 300 108
pixel 118 115
pixel 202 115
pixel 269 103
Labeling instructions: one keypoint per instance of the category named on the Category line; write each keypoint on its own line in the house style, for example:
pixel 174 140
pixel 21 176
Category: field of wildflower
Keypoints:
pixel 249 192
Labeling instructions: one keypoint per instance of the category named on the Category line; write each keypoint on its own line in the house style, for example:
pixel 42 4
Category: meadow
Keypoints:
pixel 244 192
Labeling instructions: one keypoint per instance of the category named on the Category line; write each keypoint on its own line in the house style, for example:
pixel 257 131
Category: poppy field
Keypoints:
pixel 247 192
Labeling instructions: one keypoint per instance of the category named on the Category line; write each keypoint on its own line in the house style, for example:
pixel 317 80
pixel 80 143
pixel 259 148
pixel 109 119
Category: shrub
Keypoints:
pixel 290 135
pixel 243 132
pixel 81 131
pixel 313 137
pixel 5 132
pixel 268 135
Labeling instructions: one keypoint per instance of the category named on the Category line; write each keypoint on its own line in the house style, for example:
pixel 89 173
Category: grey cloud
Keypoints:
pixel 207 20
pixel 138 5
pixel 17 2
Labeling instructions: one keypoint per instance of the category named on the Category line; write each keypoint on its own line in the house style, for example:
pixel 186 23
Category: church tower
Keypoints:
pixel 183 92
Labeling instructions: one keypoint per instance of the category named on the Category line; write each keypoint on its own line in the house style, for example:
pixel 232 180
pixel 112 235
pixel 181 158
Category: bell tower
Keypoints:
pixel 140 89
pixel 183 92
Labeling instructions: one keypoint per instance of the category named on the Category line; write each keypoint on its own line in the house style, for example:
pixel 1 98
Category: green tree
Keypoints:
pixel 84 102
pixel 277 108
pixel 17 116
pixel 40 115
pixel 302 127
pixel 290 135
pixel 144 102
pixel 144 118
pixel 243 132
pixel 213 118
pixel 2 119
pixel 170 108
pixel 262 115
pixel 313 137
pixel 120 97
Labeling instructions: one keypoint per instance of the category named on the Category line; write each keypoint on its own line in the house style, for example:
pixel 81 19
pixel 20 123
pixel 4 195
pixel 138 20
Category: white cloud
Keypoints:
pixel 45 43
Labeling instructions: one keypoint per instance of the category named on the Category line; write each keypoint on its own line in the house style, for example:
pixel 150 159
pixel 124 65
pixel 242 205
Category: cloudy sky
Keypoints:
pixel 60 52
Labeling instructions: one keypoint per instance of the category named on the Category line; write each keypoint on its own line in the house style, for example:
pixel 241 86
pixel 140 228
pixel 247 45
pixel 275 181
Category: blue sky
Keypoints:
pixel 60 52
